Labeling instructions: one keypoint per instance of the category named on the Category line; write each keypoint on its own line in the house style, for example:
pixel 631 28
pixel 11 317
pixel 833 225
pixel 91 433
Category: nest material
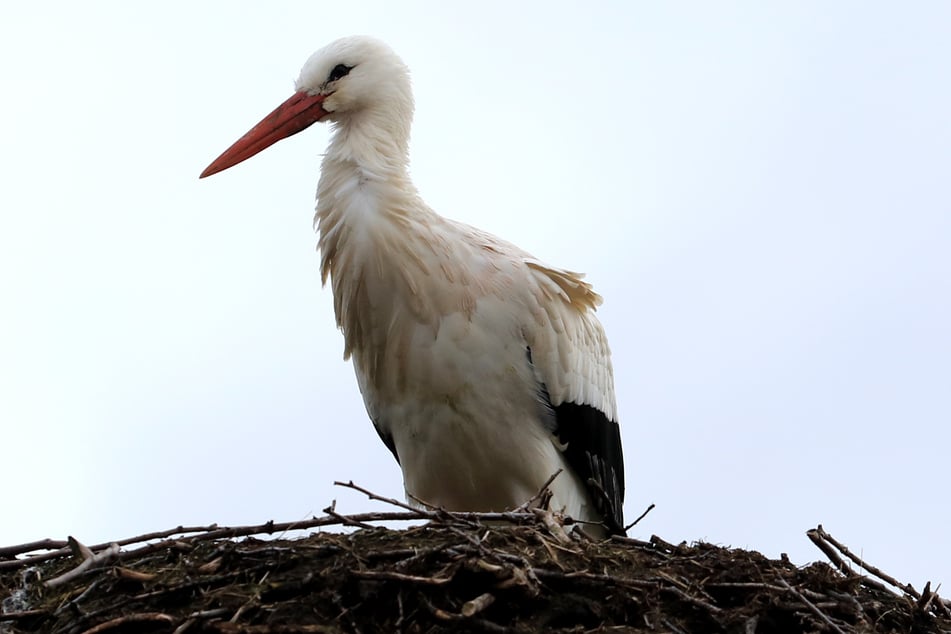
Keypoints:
pixel 454 574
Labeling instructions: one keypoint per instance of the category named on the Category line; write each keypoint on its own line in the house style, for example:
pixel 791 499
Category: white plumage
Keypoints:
pixel 484 370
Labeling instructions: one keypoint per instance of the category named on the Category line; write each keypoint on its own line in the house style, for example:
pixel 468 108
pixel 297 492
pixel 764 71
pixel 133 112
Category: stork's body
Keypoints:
pixel 483 370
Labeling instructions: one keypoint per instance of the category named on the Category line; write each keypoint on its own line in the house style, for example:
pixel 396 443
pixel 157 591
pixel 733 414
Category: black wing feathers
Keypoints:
pixel 387 439
pixel 594 452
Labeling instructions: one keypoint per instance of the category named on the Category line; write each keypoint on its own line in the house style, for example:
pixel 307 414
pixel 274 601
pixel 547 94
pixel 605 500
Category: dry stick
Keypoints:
pixel 22 615
pixel 439 512
pixel 931 601
pixel 941 604
pixel 541 492
pixel 544 573
pixel 344 519
pixel 74 603
pixel 398 576
pixel 640 517
pixel 846 598
pixel 432 513
pixel 657 542
pixel 843 567
pixel 673 628
pixel 423 503
pixel 80 549
pixel 42 544
pixel 812 607
pixel 223 627
pixel 380 498
pixel 213 531
pixel 216 532
pixel 62 547
pixel 442 615
pixel 474 606
pixel 829 552
pixel 872 569
pixel 744 584
pixel 91 561
pixel 47 544
pixel 145 617
pixel 640 544
pixel 927 596
pixel 435 513
pixel 203 582
pixel 691 599
pixel 194 617
pixel 555 528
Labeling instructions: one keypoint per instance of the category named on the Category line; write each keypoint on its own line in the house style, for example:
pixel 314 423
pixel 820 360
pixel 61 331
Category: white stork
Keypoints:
pixel 484 370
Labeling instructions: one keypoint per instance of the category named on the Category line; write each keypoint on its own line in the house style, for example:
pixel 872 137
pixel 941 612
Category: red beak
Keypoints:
pixel 297 113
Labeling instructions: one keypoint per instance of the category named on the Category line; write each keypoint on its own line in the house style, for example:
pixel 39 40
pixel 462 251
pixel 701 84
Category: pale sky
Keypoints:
pixel 760 191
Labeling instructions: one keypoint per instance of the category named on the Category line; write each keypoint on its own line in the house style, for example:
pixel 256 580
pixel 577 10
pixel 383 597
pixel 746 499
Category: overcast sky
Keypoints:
pixel 759 190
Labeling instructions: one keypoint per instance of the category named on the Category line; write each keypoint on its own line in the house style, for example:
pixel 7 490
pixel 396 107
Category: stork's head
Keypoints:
pixel 352 80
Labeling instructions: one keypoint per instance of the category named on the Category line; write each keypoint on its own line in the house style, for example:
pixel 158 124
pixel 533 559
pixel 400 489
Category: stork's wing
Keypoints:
pixel 572 360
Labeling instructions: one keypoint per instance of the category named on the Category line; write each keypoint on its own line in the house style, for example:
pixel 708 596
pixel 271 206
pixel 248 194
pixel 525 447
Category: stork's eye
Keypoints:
pixel 340 70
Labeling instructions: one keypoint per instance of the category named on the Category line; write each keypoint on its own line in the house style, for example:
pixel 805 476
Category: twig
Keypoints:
pixel 815 535
pixel 423 504
pixel 927 596
pixel 74 603
pixel 212 532
pixel 122 621
pixel 481 602
pixel 673 628
pixel 202 582
pixel 40 544
pixel 758 585
pixel 91 561
pixel 812 607
pixel 555 528
pixel 640 517
pixel 380 498
pixel 640 544
pixel 215 532
pixel 442 615
pixel 62 547
pixel 78 548
pixel 398 576
pixel 544 573
pixel 660 543
pixel 907 588
pixel 194 617
pixel 346 521
pixel 691 599
pixel 22 615
pixel 541 493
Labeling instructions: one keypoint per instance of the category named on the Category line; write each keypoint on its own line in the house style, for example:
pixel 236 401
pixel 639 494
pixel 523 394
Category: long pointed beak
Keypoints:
pixel 297 113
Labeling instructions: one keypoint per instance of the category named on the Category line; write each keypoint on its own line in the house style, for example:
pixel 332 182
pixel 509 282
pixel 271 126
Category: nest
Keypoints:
pixel 523 571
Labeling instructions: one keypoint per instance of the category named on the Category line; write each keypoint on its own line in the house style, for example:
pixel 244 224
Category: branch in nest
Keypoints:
pixel 822 539
pixel 380 498
pixel 543 497
pixel 92 560
pixel 136 621
pixel 398 576
pixel 639 517
pixel 812 606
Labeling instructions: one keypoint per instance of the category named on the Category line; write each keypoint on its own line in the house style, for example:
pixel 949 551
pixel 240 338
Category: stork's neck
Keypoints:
pixel 370 220
pixel 368 211
pixel 364 177
pixel 376 141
